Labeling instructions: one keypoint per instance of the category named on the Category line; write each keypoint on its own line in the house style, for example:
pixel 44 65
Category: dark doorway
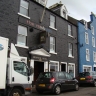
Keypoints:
pixel 94 68
pixel 63 67
pixel 38 68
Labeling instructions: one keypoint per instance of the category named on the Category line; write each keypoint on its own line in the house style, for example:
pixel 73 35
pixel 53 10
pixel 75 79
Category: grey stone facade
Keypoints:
pixel 9 21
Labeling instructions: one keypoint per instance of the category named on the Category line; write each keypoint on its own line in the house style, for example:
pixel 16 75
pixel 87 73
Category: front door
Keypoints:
pixel 38 68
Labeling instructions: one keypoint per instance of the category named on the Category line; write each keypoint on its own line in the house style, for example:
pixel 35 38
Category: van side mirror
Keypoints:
pixel 30 71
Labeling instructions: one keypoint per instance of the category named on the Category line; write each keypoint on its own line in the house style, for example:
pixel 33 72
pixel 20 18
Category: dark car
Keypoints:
pixel 87 78
pixel 56 82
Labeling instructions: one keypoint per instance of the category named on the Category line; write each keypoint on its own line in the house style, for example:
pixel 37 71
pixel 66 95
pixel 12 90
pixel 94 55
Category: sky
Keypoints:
pixel 79 9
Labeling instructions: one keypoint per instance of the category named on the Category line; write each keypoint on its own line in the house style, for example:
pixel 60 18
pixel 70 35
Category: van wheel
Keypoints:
pixel 76 87
pixel 94 83
pixel 57 90
pixel 15 92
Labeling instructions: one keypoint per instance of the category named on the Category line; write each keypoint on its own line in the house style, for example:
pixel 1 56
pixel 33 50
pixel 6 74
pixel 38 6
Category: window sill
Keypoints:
pixel 53 28
pixel 87 60
pixel 23 15
pixel 71 56
pixel 53 53
pixel 22 46
pixel 70 36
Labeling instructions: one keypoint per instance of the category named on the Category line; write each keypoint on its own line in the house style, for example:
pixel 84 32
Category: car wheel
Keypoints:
pixel 94 83
pixel 76 87
pixel 39 91
pixel 57 90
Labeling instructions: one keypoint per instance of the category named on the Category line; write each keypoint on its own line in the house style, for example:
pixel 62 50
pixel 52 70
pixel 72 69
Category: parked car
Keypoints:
pixel 87 77
pixel 56 82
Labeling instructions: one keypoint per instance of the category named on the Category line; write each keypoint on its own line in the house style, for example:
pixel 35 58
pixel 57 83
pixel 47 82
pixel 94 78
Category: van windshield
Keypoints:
pixel 45 75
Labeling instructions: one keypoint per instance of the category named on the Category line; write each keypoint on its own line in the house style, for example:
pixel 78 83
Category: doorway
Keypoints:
pixel 38 68
pixel 63 67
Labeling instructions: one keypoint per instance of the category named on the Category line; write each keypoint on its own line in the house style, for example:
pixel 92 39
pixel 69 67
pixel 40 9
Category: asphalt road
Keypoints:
pixel 83 91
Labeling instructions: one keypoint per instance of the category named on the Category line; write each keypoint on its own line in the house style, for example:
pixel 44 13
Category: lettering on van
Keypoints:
pixel 1 47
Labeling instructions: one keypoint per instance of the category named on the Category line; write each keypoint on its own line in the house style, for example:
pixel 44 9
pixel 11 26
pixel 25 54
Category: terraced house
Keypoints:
pixel 87 44
pixel 48 42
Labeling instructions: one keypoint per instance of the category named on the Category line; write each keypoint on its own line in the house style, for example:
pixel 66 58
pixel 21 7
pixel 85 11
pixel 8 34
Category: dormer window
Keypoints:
pixel 64 14
pixel 85 25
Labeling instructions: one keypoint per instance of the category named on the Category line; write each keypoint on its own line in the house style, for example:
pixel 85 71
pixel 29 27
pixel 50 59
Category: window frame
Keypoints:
pixel 70 49
pixel 53 45
pixel 86 68
pixel 71 65
pixel 54 63
pixel 93 41
pixel 70 30
pixel 21 6
pixel 92 30
pixel 86 38
pixel 25 36
pixel 53 21
pixel 22 71
pixel 87 55
pixel 94 56
pixel 85 25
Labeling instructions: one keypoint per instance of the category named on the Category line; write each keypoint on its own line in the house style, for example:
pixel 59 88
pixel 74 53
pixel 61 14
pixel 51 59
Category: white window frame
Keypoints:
pixel 54 45
pixel 53 21
pixel 93 41
pixel 69 30
pixel 92 29
pixel 24 7
pixel 64 14
pixel 20 34
pixel 86 38
pixel 53 62
pixel 72 64
pixel 94 56
pixel 87 66
pixel 85 25
pixel 87 55
pixel 70 50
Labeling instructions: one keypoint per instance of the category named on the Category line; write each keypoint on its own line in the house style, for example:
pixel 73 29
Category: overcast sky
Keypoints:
pixel 80 9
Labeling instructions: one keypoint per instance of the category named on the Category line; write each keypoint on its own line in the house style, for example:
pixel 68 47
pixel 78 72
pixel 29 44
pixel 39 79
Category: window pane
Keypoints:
pixel 52 18
pixel 52 21
pixel 20 67
pixel 53 67
pixel 70 50
pixel 22 30
pixel 52 44
pixel 69 30
pixel 21 39
pixel 24 3
pixel 24 11
pixel 52 24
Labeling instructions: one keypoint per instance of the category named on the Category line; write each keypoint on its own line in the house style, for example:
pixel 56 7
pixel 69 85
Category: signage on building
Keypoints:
pixel 30 23
pixel 39 58
pixel 43 37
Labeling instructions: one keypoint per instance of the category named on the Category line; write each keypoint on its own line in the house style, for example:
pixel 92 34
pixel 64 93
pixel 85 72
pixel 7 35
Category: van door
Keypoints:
pixel 19 73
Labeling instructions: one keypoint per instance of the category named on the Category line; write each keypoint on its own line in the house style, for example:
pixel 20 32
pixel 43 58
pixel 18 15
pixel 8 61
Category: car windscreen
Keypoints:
pixel 45 75
pixel 84 74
